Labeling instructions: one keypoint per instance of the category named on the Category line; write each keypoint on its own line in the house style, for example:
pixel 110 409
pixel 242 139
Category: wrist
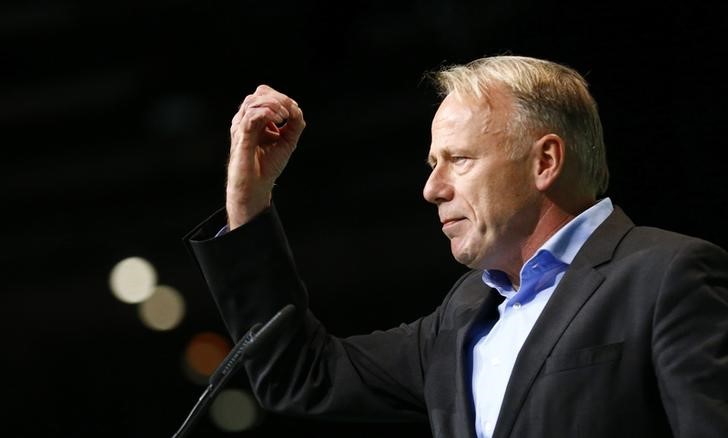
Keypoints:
pixel 240 212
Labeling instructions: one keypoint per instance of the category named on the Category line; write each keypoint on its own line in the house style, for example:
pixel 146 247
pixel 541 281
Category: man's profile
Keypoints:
pixel 572 321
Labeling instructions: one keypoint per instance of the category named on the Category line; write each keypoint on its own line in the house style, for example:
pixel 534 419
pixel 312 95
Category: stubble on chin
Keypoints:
pixel 463 255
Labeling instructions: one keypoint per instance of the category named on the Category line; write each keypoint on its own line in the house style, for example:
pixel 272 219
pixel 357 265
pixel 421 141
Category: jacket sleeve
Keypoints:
pixel 251 274
pixel 690 341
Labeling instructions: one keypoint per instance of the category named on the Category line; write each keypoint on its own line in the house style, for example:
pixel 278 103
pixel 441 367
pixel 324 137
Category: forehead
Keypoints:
pixel 454 111
pixel 461 120
pixel 491 109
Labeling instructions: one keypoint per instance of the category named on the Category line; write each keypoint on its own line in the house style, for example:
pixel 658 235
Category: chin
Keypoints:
pixel 465 257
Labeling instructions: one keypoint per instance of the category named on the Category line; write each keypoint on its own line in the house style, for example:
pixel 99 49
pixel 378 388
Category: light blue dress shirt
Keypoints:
pixel 494 354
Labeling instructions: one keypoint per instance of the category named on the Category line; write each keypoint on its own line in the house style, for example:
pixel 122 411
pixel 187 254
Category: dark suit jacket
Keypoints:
pixel 633 342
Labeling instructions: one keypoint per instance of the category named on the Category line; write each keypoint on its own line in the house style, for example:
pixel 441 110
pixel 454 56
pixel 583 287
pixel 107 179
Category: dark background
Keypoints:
pixel 115 120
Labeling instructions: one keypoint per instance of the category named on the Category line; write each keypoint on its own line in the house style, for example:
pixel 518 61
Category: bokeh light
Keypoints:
pixel 204 353
pixel 234 410
pixel 163 310
pixel 133 280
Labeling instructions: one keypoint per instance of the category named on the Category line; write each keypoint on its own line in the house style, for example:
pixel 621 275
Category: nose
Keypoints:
pixel 437 188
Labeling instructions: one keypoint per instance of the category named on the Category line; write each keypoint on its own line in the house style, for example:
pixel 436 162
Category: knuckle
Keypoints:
pixel 250 123
pixel 291 103
pixel 257 116
pixel 246 101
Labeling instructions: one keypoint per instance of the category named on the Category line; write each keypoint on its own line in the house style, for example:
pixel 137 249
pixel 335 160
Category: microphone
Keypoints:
pixel 257 335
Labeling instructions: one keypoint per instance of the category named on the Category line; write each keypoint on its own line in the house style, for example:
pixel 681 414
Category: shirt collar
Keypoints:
pixel 557 253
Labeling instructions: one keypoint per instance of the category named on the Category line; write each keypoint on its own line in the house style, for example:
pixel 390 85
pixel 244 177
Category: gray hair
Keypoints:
pixel 549 97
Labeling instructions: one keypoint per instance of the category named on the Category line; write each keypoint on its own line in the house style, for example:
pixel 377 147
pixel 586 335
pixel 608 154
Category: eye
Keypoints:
pixel 457 159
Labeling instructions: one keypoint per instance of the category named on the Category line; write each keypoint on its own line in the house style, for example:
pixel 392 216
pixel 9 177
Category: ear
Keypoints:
pixel 549 153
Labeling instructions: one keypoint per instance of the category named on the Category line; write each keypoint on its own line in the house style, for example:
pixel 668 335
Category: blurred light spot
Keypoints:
pixel 163 310
pixel 234 410
pixel 205 352
pixel 133 280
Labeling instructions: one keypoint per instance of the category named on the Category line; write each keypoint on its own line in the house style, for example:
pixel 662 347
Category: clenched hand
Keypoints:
pixel 263 135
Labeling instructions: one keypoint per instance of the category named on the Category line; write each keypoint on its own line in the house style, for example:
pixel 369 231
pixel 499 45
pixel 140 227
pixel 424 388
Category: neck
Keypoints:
pixel 552 217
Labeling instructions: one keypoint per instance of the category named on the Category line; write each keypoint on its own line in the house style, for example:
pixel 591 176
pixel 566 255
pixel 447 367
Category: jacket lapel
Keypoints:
pixel 482 308
pixel 575 288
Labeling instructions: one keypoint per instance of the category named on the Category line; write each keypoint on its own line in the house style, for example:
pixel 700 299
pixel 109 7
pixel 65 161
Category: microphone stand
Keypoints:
pixel 257 334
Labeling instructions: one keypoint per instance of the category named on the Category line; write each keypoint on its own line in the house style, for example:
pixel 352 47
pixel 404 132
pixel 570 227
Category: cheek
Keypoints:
pixel 485 204
pixel 514 185
pixel 493 191
pixel 495 201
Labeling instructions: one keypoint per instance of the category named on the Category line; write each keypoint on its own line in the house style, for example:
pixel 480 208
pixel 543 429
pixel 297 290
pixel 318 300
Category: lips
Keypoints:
pixel 451 222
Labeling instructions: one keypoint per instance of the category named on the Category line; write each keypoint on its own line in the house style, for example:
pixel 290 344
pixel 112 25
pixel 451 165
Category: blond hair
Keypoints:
pixel 549 98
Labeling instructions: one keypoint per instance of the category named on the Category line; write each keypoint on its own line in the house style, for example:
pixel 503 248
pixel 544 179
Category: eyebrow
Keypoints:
pixel 431 160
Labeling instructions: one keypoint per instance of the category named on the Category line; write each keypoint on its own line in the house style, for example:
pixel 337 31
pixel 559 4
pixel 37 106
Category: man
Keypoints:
pixel 571 322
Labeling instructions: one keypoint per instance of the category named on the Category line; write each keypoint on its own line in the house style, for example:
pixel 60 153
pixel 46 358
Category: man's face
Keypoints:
pixel 487 202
